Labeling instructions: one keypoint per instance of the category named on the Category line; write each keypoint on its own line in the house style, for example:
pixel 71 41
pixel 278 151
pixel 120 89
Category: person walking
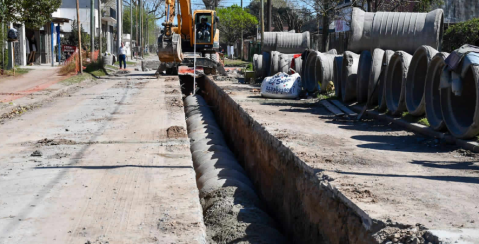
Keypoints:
pixel 122 55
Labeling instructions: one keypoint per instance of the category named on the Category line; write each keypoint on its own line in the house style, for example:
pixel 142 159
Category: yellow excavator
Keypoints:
pixel 176 44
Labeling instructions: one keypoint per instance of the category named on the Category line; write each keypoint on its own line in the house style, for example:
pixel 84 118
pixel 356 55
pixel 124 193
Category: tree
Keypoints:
pixel 34 13
pixel 233 19
pixel 289 17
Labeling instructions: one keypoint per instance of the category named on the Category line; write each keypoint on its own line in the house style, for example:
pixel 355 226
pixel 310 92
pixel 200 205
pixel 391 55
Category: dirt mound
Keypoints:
pixel 176 132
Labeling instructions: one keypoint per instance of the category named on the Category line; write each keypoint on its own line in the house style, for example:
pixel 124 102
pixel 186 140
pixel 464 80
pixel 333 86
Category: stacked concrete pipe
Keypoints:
pixel 325 69
pixel 274 68
pixel 431 92
pixel 258 65
pixel 396 76
pixel 298 65
pixel 362 81
pixel 266 63
pixel 349 70
pixel 416 80
pixel 285 42
pixel 395 31
pixel 459 98
pixel 309 81
pixel 374 76
pixel 232 210
pixel 382 106
pixel 284 62
pixel 337 65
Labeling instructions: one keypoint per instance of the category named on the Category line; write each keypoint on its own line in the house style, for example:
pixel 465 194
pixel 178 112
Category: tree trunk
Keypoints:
pixel 369 5
pixel 325 35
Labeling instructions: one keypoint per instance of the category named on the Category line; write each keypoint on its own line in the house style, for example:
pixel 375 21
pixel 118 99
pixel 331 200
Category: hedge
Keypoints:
pixel 460 34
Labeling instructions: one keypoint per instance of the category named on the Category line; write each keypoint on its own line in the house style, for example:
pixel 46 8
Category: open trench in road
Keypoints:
pixel 307 209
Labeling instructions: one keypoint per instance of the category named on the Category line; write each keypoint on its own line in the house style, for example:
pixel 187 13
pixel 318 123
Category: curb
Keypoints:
pixel 418 128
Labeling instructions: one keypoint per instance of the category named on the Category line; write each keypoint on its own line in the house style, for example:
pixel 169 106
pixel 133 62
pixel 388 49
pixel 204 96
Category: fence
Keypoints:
pixel 337 40
pixel 75 58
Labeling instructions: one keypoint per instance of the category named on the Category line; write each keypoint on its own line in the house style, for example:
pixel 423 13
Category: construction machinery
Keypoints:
pixel 195 39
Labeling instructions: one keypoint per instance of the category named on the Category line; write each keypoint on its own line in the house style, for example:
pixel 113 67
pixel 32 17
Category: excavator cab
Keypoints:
pixel 206 23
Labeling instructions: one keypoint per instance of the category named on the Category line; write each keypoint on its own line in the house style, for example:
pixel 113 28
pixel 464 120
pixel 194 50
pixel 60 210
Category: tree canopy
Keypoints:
pixel 233 19
pixel 34 13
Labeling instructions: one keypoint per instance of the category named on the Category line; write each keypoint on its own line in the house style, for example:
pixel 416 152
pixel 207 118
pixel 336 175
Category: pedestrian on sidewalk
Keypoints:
pixel 122 55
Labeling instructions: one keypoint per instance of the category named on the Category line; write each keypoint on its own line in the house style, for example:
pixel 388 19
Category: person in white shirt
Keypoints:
pixel 122 55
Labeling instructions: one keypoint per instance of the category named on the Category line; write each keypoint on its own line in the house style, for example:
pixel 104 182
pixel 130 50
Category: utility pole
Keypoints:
pixel 118 25
pixel 242 42
pixel 137 10
pixel 262 23
pixel 99 28
pixel 141 28
pixel 79 36
pixel 92 28
pixel 131 29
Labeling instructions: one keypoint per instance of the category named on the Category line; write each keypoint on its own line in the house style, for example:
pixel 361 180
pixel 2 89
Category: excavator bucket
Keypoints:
pixel 169 48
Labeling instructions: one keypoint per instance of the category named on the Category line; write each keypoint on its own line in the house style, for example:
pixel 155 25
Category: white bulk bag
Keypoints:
pixel 281 85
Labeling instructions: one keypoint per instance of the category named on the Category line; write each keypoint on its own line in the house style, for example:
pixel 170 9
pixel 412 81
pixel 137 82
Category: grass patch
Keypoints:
pixel 249 67
pixel 67 69
pixel 237 62
pixel 415 119
pixel 327 95
pixel 76 79
pixel 18 71
pixel 96 68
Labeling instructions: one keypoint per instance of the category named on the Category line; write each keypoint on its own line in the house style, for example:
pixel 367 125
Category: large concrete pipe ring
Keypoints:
pixel 223 173
pixel 202 135
pixel 286 42
pixel 215 184
pixel 274 63
pixel 382 106
pixel 206 128
pixel 298 65
pixel 324 69
pixel 207 166
pixel 204 156
pixel 337 65
pixel 309 81
pixel 432 96
pixel 266 64
pixel 304 57
pixel 416 80
pixel 259 65
pixel 396 82
pixel 349 70
pixel 376 66
pixel 461 112
pixel 284 62
pixel 395 30
pixel 362 79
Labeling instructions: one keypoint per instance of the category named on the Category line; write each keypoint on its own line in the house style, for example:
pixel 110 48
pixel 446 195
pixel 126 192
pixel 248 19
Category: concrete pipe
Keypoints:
pixel 431 92
pixel 459 100
pixel 332 51
pixel 396 82
pixel 215 184
pixel 205 143
pixel 200 111
pixel 286 42
pixel 376 66
pixel 304 57
pixel 362 79
pixel 338 62
pixel 382 106
pixel 395 30
pixel 211 148
pixel 284 62
pixel 298 64
pixel 266 64
pixel 309 81
pixel 200 123
pixel 196 136
pixel 231 196
pixel 274 63
pixel 207 166
pixel 223 173
pixel 324 69
pixel 204 129
pixel 416 80
pixel 349 70
pixel 259 65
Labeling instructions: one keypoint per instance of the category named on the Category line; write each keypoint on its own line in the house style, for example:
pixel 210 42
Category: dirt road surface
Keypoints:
pixel 98 166
pixel 390 173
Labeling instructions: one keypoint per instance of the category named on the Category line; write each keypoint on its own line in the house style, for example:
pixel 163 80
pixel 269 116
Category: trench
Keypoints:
pixel 306 207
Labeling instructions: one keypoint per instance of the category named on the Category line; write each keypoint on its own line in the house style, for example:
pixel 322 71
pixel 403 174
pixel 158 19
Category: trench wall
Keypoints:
pixel 309 209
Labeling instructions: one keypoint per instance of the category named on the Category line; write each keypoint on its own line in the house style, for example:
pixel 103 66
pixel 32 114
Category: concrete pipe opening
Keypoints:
pixel 461 113
pixel 395 31
pixel 349 70
pixel 338 62
pixel 432 96
pixel 416 80
pixel 362 79
pixel 382 106
pixel 396 81
pixel 374 76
